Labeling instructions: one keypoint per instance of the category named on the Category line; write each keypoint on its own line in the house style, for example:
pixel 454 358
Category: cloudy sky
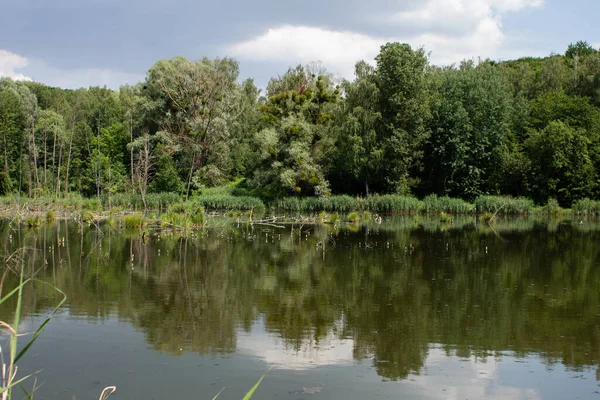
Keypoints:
pixel 74 43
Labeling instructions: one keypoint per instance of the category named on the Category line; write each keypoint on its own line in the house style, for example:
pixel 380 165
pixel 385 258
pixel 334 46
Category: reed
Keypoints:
pixel 446 204
pixel 504 205
pixel 586 207
pixel 134 221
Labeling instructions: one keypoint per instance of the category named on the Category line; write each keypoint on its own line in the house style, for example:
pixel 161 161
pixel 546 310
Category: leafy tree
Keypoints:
pixel 359 147
pixel 404 106
pixel 291 151
pixel 470 131
pixel 197 99
pixel 561 166
pixel 580 49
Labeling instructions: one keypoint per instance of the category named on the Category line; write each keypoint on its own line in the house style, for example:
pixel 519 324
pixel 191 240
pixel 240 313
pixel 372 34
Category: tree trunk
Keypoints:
pixel 367 188
pixel 45 156
pixel 54 159
pixel 35 172
pixel 131 141
pixel 68 165
pixel 187 193
pixel 98 166
pixel 5 155
pixel 58 173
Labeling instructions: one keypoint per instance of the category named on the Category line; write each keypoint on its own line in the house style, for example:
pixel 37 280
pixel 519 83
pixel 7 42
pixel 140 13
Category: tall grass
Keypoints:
pixel 134 221
pixel 446 204
pixel 586 207
pixel 504 205
pixel 345 204
pixel 229 202
pixel 154 201
pixel 184 215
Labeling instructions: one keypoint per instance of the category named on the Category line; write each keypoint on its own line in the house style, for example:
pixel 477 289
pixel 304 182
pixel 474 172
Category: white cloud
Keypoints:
pixel 9 62
pixel 451 30
pixel 76 78
pixel 70 78
pixel 336 49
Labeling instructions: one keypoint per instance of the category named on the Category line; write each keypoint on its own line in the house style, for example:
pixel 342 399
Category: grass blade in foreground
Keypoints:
pixel 248 395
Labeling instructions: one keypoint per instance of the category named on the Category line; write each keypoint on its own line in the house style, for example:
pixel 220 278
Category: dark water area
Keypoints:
pixel 408 308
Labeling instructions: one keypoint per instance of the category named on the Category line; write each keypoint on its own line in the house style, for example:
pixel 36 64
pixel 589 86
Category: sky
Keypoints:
pixel 81 43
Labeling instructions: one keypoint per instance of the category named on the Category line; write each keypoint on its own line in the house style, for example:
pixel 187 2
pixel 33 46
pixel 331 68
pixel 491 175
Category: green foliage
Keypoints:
pixel 353 217
pixel 5 184
pixel 134 221
pixel 586 207
pixel 486 218
pixel 581 49
pixel 399 128
pixel 33 221
pixel 229 202
pixel 446 218
pixel 433 203
pixel 561 164
pixel 50 216
pixel 504 205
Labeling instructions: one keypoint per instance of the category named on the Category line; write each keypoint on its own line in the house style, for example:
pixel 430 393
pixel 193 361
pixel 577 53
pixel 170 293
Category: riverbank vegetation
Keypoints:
pixel 402 136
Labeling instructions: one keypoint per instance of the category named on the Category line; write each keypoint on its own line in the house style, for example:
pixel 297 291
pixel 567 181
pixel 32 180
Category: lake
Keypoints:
pixel 408 308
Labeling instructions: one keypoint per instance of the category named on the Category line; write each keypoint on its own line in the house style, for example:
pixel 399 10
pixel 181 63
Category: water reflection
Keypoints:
pixel 393 295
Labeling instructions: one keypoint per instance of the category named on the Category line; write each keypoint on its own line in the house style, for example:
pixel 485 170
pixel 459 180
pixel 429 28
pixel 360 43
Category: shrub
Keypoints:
pixel 487 218
pixel 586 207
pixel 353 217
pixel 446 218
pixel 504 205
pixel 33 221
pixel 50 216
pixel 134 221
pixel 334 218
pixel 433 203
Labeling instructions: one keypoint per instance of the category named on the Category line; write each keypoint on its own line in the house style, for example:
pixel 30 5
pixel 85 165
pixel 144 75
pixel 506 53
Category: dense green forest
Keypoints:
pixel 529 127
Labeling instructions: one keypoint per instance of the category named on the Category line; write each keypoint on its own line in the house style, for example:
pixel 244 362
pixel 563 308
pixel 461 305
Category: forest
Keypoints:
pixel 523 128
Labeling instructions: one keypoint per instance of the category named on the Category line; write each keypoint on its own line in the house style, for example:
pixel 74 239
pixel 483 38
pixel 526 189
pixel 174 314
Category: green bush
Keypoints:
pixel 446 204
pixel 50 216
pixel 504 205
pixel 353 217
pixel 486 218
pixel 445 218
pixel 586 207
pixel 33 221
pixel 134 221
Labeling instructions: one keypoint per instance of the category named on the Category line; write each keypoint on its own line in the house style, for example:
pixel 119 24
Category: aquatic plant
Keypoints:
pixel 504 205
pixel 486 218
pixel 445 218
pixel 353 217
pixel 586 207
pixel 134 221
pixel 50 216
pixel 33 221
pixel 433 203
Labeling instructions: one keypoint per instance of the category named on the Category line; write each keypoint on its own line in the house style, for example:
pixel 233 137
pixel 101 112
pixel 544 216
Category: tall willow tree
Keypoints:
pixel 197 100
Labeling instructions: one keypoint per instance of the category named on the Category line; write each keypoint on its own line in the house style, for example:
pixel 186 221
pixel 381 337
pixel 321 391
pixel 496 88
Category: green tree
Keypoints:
pixel 470 131
pixel 404 106
pixel 561 166
pixel 359 153
pixel 291 151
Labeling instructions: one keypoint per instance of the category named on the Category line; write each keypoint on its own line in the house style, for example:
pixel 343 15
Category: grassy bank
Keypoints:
pixel 225 200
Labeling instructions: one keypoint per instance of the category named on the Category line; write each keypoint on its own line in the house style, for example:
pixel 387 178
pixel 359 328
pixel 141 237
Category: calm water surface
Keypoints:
pixel 406 309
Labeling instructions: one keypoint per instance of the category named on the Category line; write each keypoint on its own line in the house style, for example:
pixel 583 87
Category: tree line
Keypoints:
pixel 527 127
